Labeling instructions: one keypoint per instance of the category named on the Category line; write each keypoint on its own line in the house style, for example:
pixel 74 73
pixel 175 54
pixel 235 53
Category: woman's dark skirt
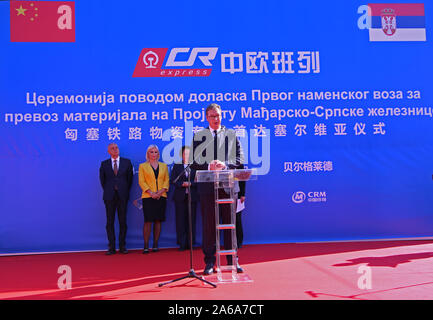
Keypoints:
pixel 153 209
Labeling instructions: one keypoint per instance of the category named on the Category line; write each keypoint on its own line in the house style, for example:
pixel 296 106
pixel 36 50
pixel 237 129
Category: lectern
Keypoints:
pixel 226 179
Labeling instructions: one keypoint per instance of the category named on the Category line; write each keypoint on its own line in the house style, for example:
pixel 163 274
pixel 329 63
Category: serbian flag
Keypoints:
pixel 397 22
pixel 42 21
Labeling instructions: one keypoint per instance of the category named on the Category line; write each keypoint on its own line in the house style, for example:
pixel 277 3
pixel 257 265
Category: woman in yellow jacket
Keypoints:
pixel 153 178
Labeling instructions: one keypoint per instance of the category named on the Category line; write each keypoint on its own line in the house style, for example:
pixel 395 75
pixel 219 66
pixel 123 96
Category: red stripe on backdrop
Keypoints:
pixel 400 9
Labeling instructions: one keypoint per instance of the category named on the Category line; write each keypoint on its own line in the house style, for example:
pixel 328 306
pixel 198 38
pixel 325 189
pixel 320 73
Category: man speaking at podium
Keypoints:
pixel 215 148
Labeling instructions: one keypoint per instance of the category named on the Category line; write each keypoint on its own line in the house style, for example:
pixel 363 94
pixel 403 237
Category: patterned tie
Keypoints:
pixel 115 167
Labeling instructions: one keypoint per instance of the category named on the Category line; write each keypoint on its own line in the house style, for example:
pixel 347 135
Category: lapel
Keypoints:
pixel 177 169
pixel 149 168
pixel 109 166
pixel 121 162
pixel 221 137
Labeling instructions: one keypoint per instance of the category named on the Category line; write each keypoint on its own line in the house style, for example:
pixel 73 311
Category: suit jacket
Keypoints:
pixel 179 191
pixel 229 151
pixel 123 180
pixel 241 189
pixel 146 178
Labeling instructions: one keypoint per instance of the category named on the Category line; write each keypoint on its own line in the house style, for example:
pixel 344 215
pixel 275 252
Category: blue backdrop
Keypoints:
pixel 348 120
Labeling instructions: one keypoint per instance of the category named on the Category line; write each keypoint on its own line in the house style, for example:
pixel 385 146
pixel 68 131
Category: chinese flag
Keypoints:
pixel 42 21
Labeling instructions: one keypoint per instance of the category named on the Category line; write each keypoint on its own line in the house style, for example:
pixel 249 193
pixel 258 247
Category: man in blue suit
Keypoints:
pixel 115 175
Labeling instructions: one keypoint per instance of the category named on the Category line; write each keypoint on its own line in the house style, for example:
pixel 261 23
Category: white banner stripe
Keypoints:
pixel 407 34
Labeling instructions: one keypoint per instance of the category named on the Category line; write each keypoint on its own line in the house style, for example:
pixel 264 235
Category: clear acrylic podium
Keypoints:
pixel 226 179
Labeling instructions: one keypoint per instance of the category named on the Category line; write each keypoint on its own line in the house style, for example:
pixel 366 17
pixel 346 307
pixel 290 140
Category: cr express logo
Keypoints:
pixel 179 62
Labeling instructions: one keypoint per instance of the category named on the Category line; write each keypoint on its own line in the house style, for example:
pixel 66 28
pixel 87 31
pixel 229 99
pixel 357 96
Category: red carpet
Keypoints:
pixel 314 271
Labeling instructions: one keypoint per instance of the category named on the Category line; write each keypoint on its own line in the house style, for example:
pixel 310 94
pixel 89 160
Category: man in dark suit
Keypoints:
pixel 215 148
pixel 116 175
pixel 182 173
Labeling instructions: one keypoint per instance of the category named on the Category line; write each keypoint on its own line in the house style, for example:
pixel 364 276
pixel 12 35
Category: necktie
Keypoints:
pixel 187 173
pixel 215 146
pixel 115 168
pixel 115 173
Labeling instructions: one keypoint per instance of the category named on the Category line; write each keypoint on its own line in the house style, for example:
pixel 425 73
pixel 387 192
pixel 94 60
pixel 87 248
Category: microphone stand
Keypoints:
pixel 191 273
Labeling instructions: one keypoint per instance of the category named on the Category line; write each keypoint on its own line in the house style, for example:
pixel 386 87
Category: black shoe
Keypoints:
pixel 208 270
pixel 145 251
pixel 110 252
pixel 123 250
pixel 239 269
pixel 155 247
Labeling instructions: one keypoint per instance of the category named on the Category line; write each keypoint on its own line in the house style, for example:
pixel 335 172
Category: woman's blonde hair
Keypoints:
pixel 152 146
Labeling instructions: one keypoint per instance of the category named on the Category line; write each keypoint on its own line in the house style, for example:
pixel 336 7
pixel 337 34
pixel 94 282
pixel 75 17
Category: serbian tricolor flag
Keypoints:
pixel 397 22
pixel 42 21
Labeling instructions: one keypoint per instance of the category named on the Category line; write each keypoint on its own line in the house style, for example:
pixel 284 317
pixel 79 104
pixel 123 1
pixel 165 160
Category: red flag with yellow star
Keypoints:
pixel 42 21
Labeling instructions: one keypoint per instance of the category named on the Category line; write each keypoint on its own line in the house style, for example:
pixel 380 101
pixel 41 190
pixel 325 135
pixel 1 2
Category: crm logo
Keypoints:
pixel 298 197
pixel 179 62
pixel 311 196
